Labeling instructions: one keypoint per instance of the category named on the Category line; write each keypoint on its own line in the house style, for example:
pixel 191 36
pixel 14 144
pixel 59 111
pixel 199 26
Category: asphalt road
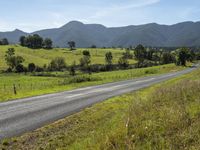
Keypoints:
pixel 20 116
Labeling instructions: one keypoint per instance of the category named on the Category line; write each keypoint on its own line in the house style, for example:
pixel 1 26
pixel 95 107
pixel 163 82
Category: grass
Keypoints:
pixel 27 85
pixel 41 56
pixel 164 116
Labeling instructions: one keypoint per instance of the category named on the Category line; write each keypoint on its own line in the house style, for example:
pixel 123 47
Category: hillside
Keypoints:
pixel 41 57
pixel 181 34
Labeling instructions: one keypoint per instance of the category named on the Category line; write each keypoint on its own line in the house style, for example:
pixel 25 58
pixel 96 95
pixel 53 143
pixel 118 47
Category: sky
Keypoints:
pixel 33 15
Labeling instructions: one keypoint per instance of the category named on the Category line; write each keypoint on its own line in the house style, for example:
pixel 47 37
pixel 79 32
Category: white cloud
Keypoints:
pixel 122 7
pixel 4 26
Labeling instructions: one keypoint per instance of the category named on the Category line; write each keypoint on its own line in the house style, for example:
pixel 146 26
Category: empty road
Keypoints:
pixel 20 116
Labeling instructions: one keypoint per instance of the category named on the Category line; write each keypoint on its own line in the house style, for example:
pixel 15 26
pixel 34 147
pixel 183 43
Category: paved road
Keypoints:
pixel 20 116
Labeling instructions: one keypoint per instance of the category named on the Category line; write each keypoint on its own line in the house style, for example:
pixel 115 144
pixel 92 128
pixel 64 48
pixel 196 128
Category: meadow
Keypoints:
pixel 43 57
pixel 164 116
pixel 29 85
pixel 15 86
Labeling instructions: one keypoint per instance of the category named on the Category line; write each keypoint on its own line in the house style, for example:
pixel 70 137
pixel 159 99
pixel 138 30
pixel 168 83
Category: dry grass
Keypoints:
pixel 169 119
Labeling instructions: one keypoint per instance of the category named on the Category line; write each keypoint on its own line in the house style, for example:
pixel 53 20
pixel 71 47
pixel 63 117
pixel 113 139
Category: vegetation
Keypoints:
pixel 57 64
pixel 40 57
pixel 109 60
pixel 32 84
pixel 72 45
pixel 4 41
pixel 14 62
pixel 164 116
pixel 35 42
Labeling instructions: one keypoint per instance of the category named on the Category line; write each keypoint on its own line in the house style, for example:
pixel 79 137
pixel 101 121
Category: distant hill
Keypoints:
pixel 85 35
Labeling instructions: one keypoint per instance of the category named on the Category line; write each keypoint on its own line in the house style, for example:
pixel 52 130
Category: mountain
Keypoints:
pixel 85 35
pixel 13 36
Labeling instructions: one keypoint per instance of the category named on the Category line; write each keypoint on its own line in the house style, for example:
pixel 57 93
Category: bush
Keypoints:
pixel 31 67
pixel 39 69
pixel 86 53
pixel 123 63
pixel 151 71
pixel 19 68
pixel 57 64
pixel 80 79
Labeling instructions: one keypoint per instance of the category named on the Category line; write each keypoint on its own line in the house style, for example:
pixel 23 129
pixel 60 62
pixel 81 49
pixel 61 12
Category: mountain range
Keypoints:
pixel 85 35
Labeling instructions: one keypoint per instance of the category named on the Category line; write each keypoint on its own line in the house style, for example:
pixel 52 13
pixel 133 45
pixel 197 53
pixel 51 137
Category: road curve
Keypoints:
pixel 20 116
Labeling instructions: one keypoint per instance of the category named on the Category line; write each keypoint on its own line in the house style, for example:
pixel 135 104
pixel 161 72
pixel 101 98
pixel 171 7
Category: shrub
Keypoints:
pixel 31 67
pixel 57 64
pixel 19 68
pixel 39 69
pixel 86 53
pixel 80 79
pixel 123 62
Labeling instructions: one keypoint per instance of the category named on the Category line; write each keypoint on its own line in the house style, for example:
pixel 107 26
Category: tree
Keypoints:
pixel 86 53
pixel 22 41
pixel 72 70
pixel 167 58
pixel 57 64
pixel 72 45
pixel 140 54
pixel 127 54
pixel 93 46
pixel 47 43
pixel 20 68
pixel 4 41
pixel 85 62
pixel 108 59
pixel 192 56
pixel 10 52
pixel 33 41
pixel 183 56
pixel 31 67
pixel 9 57
pixel 123 62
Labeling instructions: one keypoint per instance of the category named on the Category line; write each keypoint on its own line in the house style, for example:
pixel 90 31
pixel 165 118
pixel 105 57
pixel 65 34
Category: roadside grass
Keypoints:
pixel 41 56
pixel 27 85
pixel 164 116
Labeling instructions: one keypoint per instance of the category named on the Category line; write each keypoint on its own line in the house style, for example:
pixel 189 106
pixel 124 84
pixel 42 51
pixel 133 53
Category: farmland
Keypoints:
pixel 41 56
pixel 29 85
pixel 20 85
pixel 164 116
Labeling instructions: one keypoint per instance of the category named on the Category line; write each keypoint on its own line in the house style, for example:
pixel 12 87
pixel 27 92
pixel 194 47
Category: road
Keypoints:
pixel 24 115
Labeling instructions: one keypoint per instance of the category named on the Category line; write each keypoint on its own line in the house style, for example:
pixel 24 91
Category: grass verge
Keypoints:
pixel 164 116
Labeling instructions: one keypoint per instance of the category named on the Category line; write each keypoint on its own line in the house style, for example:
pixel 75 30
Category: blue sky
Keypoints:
pixel 32 15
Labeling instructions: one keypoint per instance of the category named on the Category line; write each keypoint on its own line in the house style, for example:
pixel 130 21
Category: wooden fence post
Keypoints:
pixel 14 89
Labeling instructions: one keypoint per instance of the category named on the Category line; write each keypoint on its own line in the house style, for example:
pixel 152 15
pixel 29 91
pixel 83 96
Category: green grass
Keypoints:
pixel 164 116
pixel 27 85
pixel 42 56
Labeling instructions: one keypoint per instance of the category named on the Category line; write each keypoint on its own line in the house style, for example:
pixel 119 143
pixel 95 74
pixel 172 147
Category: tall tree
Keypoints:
pixel 140 54
pixel 72 45
pixel 47 43
pixel 183 56
pixel 13 61
pixel 109 58
pixel 4 41
pixel 22 41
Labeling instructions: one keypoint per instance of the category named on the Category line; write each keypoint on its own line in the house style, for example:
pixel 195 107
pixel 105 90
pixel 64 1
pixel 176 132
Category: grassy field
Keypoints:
pixel 27 85
pixel 164 116
pixel 41 56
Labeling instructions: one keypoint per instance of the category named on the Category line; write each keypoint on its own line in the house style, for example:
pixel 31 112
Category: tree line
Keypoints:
pixel 4 41
pixel 145 57
pixel 35 42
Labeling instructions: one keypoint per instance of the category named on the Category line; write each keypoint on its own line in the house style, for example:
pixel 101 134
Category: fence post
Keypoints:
pixel 14 89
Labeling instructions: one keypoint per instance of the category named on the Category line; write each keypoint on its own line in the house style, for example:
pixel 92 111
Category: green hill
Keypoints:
pixel 42 56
